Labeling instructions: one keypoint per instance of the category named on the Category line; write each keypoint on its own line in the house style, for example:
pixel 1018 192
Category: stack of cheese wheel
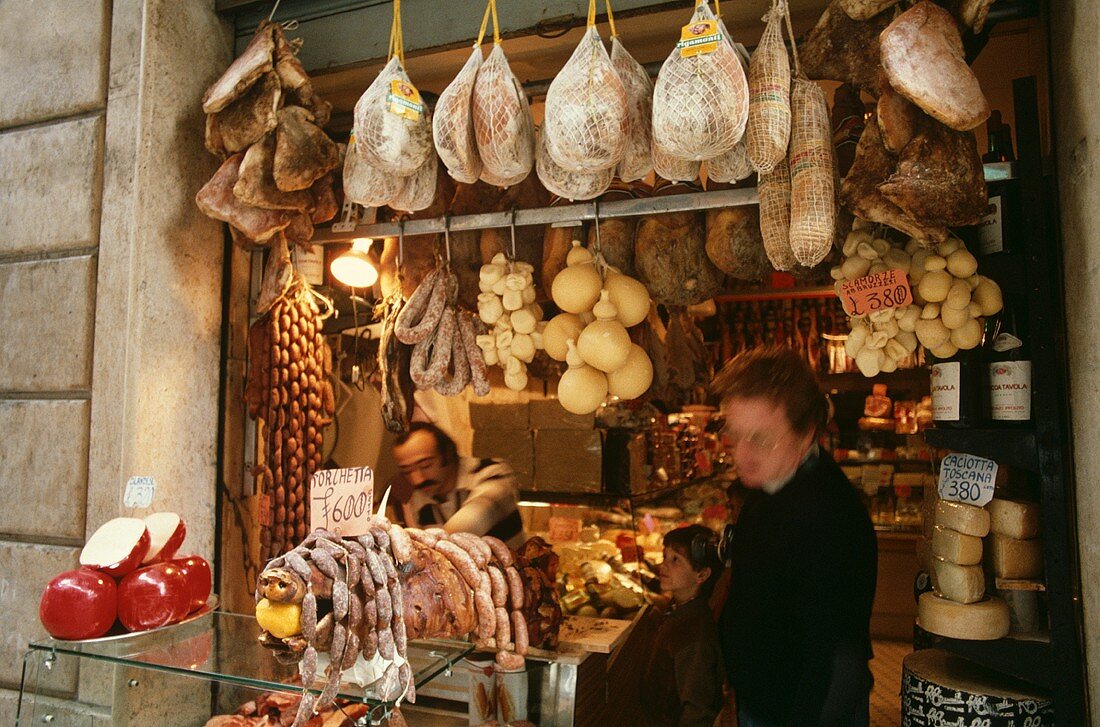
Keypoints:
pixel 938 688
pixel 1015 552
pixel 957 606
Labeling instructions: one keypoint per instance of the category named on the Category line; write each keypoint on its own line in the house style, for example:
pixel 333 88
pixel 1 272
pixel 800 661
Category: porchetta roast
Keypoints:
pixel 335 603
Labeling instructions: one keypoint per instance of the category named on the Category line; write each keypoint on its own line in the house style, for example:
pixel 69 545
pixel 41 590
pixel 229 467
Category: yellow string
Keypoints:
pixel 591 13
pixel 611 19
pixel 400 32
pixel 496 24
pixel 717 8
pixel 484 25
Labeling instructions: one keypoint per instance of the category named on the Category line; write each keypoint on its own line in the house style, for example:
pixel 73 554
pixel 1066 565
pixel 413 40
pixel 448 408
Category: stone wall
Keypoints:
pixel 1076 85
pixel 110 302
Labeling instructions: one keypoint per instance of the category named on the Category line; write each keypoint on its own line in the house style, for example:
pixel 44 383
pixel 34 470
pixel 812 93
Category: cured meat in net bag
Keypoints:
pixel 393 129
pixel 701 101
pixel 585 129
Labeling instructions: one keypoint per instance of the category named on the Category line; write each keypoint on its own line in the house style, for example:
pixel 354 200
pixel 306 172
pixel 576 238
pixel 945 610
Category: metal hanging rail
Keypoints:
pixel 561 214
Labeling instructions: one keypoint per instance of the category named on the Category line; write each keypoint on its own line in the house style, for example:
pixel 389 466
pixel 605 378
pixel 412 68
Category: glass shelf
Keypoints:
pixel 223 647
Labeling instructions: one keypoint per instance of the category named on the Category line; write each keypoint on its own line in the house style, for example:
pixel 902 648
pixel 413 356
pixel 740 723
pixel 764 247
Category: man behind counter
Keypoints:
pixel 459 494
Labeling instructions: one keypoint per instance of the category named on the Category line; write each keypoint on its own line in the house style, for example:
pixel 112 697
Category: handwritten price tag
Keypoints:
pixel 564 529
pixel 966 478
pixel 139 492
pixel 341 500
pixel 872 293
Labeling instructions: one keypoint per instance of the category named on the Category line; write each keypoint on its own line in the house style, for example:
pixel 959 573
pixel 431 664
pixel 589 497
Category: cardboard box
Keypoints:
pixel 513 447
pixel 549 414
pixel 498 416
pixel 568 460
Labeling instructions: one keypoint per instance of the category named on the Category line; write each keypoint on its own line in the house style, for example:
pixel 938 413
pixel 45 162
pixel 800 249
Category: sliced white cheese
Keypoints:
pixel 967 519
pixel 1015 519
pixel 982 621
pixel 1012 558
pixel 960 583
pixel 955 546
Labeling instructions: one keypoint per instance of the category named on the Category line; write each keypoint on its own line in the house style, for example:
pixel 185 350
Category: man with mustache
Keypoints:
pixel 459 494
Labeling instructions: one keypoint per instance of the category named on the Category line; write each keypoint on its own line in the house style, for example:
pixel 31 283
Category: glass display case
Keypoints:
pixel 220 648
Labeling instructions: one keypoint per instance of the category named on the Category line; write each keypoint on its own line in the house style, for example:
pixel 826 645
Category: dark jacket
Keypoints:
pixel 796 624
pixel 682 682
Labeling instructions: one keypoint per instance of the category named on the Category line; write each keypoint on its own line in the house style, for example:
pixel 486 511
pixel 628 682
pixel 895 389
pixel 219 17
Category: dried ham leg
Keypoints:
pixel 922 54
pixel 865 9
pixel 898 119
pixel 503 127
pixel 256 184
pixel 216 199
pixel 245 121
pixel 303 153
pixel 256 60
pixel 324 199
pixel 841 49
pixel 939 179
pixel 860 194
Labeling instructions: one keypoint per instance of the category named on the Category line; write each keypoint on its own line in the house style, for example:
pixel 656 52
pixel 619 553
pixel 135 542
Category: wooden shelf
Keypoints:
pixel 1010 446
pixel 1019 584
pixel 1026 657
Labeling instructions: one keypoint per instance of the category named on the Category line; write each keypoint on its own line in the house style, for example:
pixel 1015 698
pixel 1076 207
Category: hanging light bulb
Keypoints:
pixel 354 268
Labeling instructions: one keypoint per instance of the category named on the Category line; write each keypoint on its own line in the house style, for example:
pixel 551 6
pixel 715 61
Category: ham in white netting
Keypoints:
pixel 567 184
pixel 390 141
pixel 364 183
pixel 700 102
pixel 637 159
pixel 502 122
pixel 586 114
pixel 453 125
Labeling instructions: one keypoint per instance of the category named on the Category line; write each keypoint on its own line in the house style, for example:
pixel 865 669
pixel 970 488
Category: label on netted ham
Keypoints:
pixel 699 39
pixel 404 100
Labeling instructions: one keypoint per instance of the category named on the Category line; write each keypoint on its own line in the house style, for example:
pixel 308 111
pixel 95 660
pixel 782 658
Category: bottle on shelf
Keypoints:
pixel 999 227
pixel 956 388
pixel 1009 371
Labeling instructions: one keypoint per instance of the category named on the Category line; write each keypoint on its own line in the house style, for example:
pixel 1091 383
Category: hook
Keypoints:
pixel 447 237
pixel 269 17
pixel 400 242
pixel 599 244
pixel 512 226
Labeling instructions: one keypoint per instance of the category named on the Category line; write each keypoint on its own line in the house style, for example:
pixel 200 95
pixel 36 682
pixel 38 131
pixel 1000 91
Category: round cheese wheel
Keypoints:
pixel 967 519
pixel 982 621
pixel 941 688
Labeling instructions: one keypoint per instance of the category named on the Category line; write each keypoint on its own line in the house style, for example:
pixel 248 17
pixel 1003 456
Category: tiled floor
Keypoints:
pixel 886 695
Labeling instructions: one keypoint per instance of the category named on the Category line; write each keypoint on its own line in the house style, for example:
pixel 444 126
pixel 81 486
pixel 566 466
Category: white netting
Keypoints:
pixel 418 191
pixel 813 185
pixel 390 142
pixel 700 103
pixel 733 165
pixel 502 121
pixel 637 159
pixel 453 126
pixel 364 183
pixel 585 128
pixel 769 127
pixel 673 168
pixel 774 189
pixel 567 184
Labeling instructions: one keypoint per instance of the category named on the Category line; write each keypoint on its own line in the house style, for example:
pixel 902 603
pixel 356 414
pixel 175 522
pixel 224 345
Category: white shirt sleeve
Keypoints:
pixel 492 496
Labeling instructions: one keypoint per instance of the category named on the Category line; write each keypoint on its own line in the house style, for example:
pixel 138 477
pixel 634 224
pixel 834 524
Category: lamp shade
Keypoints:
pixel 354 267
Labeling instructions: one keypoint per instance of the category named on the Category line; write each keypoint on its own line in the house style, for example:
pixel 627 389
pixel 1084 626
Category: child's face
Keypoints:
pixel 677 576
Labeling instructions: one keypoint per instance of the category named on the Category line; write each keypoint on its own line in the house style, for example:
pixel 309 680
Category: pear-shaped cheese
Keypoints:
pixel 559 329
pixel 604 343
pixel 582 388
pixel 578 254
pixel 630 297
pixel 576 288
pixel 634 377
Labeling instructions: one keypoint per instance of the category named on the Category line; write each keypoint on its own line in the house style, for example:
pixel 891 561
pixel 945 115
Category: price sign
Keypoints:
pixel 341 500
pixel 966 478
pixel 564 529
pixel 139 492
pixel 872 293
